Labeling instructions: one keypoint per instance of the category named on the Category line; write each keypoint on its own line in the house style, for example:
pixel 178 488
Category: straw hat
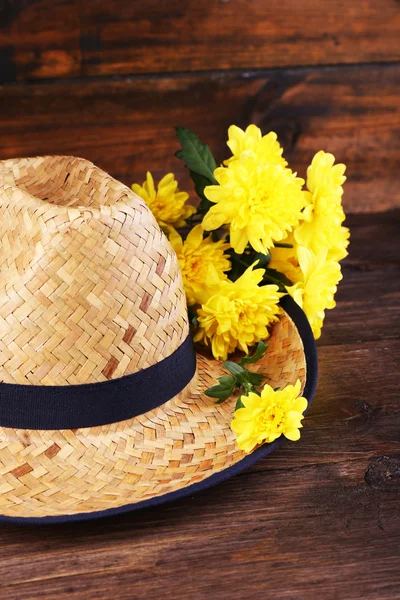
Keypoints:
pixel 101 403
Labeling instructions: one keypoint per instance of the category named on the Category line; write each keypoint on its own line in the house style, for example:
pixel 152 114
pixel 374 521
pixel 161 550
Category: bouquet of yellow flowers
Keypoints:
pixel 258 232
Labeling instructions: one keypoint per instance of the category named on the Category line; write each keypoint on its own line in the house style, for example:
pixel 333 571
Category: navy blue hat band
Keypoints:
pixel 93 404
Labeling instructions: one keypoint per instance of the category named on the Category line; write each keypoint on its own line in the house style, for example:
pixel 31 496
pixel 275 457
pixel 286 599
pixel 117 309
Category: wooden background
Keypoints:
pixel 108 80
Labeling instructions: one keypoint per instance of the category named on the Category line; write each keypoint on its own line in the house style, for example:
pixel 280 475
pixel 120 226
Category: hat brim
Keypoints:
pixel 180 448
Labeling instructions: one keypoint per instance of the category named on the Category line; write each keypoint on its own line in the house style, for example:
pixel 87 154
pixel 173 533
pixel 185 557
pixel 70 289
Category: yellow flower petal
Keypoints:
pixel 261 201
pixel 300 405
pixel 203 264
pixel 239 239
pixel 167 202
pixel 266 417
pixel 251 143
pixel 319 242
pixel 238 313
pixel 322 225
pixel 292 434
pixel 213 220
pixel 317 283
pixel 150 185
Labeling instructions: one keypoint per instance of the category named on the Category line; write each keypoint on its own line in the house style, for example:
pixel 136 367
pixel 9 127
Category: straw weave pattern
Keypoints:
pixel 180 443
pixel 90 288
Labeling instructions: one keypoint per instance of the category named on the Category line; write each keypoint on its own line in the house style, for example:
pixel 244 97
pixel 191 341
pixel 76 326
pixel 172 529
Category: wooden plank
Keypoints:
pixel 289 550
pixel 126 127
pixel 39 38
pixel 368 298
pixel 316 519
pixel 53 38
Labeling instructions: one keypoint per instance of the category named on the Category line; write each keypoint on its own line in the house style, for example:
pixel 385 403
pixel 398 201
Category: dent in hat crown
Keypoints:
pixel 90 288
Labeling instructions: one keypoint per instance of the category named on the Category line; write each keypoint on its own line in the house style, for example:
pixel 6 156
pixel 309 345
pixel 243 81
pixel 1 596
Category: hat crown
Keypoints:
pixel 90 288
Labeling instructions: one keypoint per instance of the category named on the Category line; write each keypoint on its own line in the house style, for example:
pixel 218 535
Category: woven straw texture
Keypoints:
pixel 183 442
pixel 90 290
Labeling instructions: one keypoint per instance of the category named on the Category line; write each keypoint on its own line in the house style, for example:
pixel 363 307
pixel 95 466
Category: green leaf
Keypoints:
pixel 221 399
pixel 263 259
pixel 200 182
pixel 192 316
pixel 234 273
pixel 239 373
pixel 274 276
pixel 197 156
pixel 255 378
pixel 238 265
pixel 223 390
pixel 239 403
pixel 282 245
pixel 241 262
pixel 258 354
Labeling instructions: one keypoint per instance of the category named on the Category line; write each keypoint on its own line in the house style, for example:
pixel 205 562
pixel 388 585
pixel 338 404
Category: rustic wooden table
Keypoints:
pixel 108 81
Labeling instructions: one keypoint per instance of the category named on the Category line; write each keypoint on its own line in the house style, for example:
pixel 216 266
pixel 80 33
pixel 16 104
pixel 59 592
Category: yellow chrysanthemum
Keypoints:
pixel 285 260
pixel 321 227
pixel 260 202
pixel 315 285
pixel 167 202
pixel 238 314
pixel 319 242
pixel 252 143
pixel 265 418
pixel 202 262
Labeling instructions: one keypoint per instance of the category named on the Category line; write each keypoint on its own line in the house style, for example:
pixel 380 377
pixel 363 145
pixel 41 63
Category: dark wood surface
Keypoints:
pixel 127 127
pixel 108 80
pixel 74 38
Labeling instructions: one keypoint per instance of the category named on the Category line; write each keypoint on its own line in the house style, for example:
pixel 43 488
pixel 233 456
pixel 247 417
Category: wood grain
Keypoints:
pixel 57 38
pixel 370 280
pixel 319 519
pixel 126 127
pixel 39 38
pixel 316 519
